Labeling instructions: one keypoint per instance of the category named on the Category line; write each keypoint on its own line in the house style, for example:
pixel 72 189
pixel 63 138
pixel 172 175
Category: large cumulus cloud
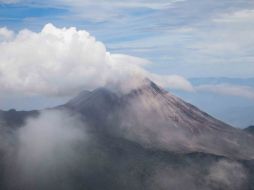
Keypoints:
pixel 63 61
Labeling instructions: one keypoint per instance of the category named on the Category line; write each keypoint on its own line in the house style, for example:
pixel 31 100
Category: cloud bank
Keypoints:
pixel 63 61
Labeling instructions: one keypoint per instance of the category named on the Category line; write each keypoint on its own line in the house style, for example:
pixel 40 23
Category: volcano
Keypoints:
pixel 155 118
pixel 145 138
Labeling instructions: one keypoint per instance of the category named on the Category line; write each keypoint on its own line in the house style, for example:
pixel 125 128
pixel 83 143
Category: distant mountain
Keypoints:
pixel 250 129
pixel 14 119
pixel 237 111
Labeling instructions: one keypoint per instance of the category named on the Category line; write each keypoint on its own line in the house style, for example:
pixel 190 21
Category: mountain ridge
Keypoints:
pixel 155 118
pixel 174 123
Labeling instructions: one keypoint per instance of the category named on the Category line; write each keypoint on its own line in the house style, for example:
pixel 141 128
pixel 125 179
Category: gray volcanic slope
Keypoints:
pixel 146 139
pixel 159 120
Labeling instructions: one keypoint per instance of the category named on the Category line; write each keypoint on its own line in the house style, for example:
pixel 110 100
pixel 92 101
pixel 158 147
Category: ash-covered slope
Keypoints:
pixel 145 139
pixel 159 120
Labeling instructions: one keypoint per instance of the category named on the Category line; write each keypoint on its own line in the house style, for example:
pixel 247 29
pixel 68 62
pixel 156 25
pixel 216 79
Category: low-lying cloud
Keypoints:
pixel 222 174
pixel 46 136
pixel 64 61
pixel 227 175
pixel 45 151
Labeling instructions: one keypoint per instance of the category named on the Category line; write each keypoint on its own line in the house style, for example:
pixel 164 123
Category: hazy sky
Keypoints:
pixel 179 39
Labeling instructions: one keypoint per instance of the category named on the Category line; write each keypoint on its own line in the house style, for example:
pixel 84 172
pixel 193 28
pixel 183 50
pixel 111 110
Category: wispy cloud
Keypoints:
pixel 245 15
pixel 228 89
pixel 9 1
pixel 160 4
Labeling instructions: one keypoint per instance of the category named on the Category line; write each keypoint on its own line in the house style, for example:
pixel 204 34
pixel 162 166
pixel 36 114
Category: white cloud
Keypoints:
pixel 6 34
pixel 160 4
pixel 174 81
pixel 237 16
pixel 110 10
pixel 227 41
pixel 228 89
pixel 63 61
